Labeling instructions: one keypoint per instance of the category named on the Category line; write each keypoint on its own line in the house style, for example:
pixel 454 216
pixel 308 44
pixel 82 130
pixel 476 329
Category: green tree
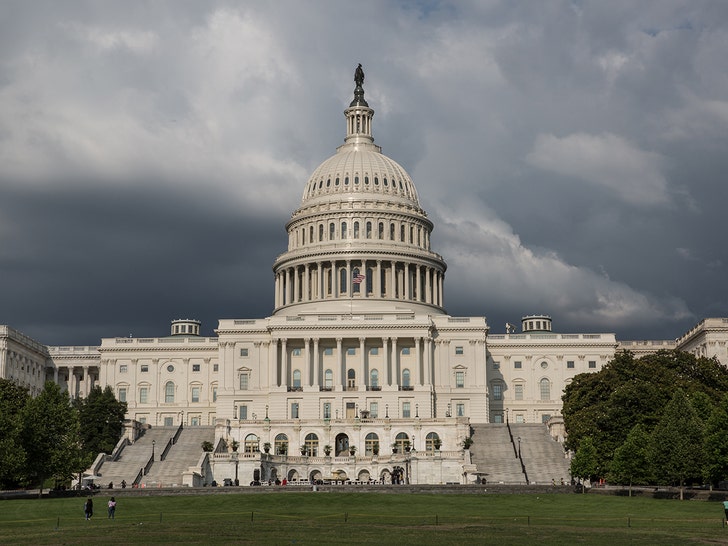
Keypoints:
pixel 676 443
pixel 12 455
pixel 50 435
pixel 101 418
pixel 631 464
pixel 584 464
pixel 716 444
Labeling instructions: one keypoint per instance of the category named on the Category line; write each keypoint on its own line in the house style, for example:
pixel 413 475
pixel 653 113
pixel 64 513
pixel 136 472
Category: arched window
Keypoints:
pixel 432 442
pixel 332 231
pixel 374 379
pixel 169 392
pixel 356 180
pixel 321 232
pixel 328 379
pixel 310 238
pixel 545 388
pixel 343 281
pixel 369 230
pixel 356 230
pixel 402 442
pixel 346 181
pixel 406 377
pixel 296 378
pixel 391 232
pixel 281 445
pixel 371 444
pixel 251 444
pixel 311 444
pixel 343 230
pixel 401 233
pixel 385 182
pixel 351 379
pixel 356 286
pixel 381 230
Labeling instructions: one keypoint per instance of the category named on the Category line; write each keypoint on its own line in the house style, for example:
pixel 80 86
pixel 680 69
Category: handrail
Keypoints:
pixel 138 478
pixel 176 434
pixel 166 449
pixel 149 464
pixel 120 445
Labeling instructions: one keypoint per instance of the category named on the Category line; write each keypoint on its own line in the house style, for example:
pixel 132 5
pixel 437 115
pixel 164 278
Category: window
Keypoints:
pixel 169 392
pixel 402 441
pixel 545 388
pixel 280 444
pixel 545 417
pixel 243 352
pixel 214 394
pixel 496 365
pixel 544 365
pixel 351 351
pixel 406 410
pixel 460 409
pixel 518 391
pixel 145 368
pixel 405 350
pixel 374 378
pixel 570 364
pixel 351 379
pixel 459 350
pixel 327 410
pixel 311 444
pixel 143 395
pixel 195 394
pixel 195 367
pixel 592 364
pixel 332 232
pixel 243 412
pixel 343 229
pixel 459 380
pixel 517 365
pixel 170 368
pixel 406 377
pixel 497 391
pixel 215 367
pixel 294 410
pixel 432 442
pixel 122 394
pixel 123 368
pixel 296 352
pixel 244 381
pixel 374 410
pixel 168 421
pixel 374 351
pixel 296 378
pixel 328 379
pixel 369 230
pixel 356 230
pixel 251 444
pixel 371 444
pixel 195 421
pixel 328 351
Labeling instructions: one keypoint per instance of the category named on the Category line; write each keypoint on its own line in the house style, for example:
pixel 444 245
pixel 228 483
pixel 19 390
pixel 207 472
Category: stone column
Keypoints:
pixel 320 280
pixel 306 283
pixel 418 362
pixel 287 293
pixel 316 367
pixel 393 290
pixel 364 371
pixel 394 364
pixel 377 283
pixel 428 285
pixel 348 279
pixel 340 358
pixel 284 363
pixel 418 284
pixel 306 379
pixel 387 376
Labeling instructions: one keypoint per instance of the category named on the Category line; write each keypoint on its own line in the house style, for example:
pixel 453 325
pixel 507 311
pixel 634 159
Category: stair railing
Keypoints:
pixel 169 445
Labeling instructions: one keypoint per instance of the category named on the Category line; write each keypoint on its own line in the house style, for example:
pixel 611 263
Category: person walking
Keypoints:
pixel 88 508
pixel 112 508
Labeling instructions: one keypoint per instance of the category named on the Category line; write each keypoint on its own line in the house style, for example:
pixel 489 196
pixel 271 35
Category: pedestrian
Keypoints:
pixel 725 509
pixel 112 508
pixel 88 508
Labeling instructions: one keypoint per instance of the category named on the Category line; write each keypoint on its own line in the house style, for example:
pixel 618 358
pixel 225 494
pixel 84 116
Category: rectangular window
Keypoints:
pixel 459 380
pixel 351 351
pixel 459 350
pixel 405 410
pixel 168 421
pixel 243 352
pixel 296 352
pixel 214 394
pixel 545 418
pixel 496 365
pixel 122 368
pixel 195 422
pixel 294 410
pixel 518 390
pixel 195 367
pixel 195 394
pixel 405 350
pixel 517 365
pixel 122 394
pixel 497 391
pixel 373 410
pixel 243 412
pixel 145 368
pixel 519 418
pixel 328 351
pixel 592 364
pixel 460 409
pixel 143 394
pixel 570 364
pixel 327 410
pixel 215 367
pixel 374 351
pixel 243 381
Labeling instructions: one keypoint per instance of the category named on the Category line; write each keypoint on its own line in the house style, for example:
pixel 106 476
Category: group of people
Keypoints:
pixel 88 508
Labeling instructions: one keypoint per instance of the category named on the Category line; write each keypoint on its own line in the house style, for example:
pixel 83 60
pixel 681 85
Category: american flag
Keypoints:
pixel 358 279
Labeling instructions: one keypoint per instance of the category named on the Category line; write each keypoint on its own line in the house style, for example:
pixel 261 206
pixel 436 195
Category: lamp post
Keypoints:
pixel 386 411
pixel 417 410
pixel 153 442
pixel 266 411
pixel 519 447
pixel 235 458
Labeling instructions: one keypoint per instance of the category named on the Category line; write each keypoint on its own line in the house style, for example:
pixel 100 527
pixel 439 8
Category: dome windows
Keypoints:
pixel 376 181
pixel 366 180
pixel 385 182
pixel 337 181
pixel 356 180
pixel 346 181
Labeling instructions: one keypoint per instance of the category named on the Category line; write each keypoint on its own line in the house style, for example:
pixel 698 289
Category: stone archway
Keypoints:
pixel 315 475
pixel 341 445
pixel 292 474
pixel 364 475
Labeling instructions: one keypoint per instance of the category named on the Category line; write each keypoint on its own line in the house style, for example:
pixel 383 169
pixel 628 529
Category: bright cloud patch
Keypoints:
pixel 604 160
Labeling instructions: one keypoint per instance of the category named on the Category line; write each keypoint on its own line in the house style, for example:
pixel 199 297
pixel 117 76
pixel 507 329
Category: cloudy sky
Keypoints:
pixel 573 155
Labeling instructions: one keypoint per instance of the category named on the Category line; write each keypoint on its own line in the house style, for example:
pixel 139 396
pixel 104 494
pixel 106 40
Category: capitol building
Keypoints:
pixel 359 365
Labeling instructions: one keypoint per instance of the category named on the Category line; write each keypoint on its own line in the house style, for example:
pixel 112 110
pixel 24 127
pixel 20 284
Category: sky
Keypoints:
pixel 571 154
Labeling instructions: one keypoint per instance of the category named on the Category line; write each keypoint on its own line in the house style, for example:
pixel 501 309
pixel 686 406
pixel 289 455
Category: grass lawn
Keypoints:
pixel 364 518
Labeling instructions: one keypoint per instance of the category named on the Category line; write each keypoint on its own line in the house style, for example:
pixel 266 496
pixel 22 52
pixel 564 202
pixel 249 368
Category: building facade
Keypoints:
pixel 358 356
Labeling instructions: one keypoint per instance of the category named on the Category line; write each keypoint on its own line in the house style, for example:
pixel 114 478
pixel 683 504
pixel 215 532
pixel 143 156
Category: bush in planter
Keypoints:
pixel 283 449
pixel 467 442
pixel 207 446
pixel 437 443
pixel 395 447
pixel 375 448
pixel 234 445
pixel 352 450
pixel 327 450
pixel 266 447
pixel 303 449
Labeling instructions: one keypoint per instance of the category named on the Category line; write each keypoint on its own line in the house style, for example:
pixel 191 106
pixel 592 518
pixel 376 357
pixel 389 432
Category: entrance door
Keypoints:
pixel 350 410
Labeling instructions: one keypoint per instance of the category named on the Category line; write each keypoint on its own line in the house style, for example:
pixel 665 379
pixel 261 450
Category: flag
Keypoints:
pixel 358 279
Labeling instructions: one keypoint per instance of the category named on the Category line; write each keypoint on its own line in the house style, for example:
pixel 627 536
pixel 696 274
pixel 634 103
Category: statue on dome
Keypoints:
pixel 359 76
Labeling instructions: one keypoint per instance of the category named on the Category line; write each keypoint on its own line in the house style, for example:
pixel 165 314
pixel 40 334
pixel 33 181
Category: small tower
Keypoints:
pixel 186 327
pixel 536 323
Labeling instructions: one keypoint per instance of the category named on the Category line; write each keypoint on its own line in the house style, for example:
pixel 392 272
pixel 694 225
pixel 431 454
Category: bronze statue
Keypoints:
pixel 359 76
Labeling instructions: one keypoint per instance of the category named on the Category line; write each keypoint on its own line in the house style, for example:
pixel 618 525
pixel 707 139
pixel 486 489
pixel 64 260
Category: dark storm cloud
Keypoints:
pixel 571 154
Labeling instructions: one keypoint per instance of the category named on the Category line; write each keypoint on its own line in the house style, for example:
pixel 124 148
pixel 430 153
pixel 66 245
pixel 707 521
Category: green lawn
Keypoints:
pixel 359 518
